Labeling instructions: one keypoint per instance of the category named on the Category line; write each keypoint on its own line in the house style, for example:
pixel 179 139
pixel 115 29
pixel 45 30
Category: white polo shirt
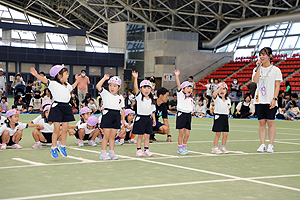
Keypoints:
pixel 222 107
pixel 60 92
pixel 2 120
pixel 130 125
pixel 6 126
pixel 86 130
pixel 48 128
pixel 184 104
pixel 145 106
pixel 111 101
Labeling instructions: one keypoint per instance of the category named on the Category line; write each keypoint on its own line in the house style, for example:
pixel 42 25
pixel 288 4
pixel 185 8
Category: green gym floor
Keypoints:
pixel 242 174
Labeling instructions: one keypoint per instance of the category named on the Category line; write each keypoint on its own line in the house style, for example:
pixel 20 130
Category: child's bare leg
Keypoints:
pixel 64 133
pixel 5 137
pixel 17 136
pixel 146 140
pixel 38 136
pixel 106 133
pixel 186 136
pixel 94 134
pixel 81 133
pixel 224 139
pixel 112 137
pixel 180 136
pixel 55 133
pixel 216 140
pixel 139 141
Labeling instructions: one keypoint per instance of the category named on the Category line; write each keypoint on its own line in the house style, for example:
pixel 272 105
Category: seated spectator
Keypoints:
pixel 280 99
pixel 294 97
pixel 287 98
pixel 17 81
pixel 200 97
pixel 4 104
pixel 208 90
pixel 211 109
pixel 292 112
pixel 74 103
pixel 47 96
pixel 28 92
pixel 235 94
pixel 200 109
pixel 251 87
pixel 19 105
pixel 39 84
pixel 245 108
pixel 86 100
pixel 93 106
pixel 36 102
pixel 173 105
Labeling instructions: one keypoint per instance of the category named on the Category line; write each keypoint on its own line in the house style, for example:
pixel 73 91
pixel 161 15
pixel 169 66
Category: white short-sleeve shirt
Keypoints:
pixel 145 106
pixel 222 107
pixel 6 126
pixel 60 92
pixel 2 120
pixel 48 128
pixel 184 104
pixel 130 125
pixel 111 101
pixel 266 84
pixel 86 130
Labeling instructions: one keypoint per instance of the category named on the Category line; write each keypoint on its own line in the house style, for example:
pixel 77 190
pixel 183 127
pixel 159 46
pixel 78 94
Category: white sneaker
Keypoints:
pixel 92 143
pixel 37 145
pixel 224 150
pixel 132 141
pixel 262 148
pixel 3 146
pixel 117 142
pixel 122 141
pixel 216 150
pixel 270 148
pixel 99 140
pixel 77 141
pixel 80 143
pixel 16 146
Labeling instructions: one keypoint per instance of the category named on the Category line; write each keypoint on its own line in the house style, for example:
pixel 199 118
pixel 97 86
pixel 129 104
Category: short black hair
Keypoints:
pixel 83 70
pixel 294 95
pixel 4 98
pixel 43 73
pixel 37 91
pixel 175 95
pixel 30 81
pixel 162 91
pixel 18 74
pixel 191 77
pixel 293 103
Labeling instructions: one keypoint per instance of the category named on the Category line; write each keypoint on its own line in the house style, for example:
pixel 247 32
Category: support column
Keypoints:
pixel 76 43
pixel 6 37
pixel 41 40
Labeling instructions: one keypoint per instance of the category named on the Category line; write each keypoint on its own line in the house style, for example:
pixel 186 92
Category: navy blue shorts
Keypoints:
pixel 158 125
pixel 142 125
pixel 11 142
pixel 263 111
pixel 220 123
pixel 183 120
pixel 86 136
pixel 111 119
pixel 61 112
pixel 48 137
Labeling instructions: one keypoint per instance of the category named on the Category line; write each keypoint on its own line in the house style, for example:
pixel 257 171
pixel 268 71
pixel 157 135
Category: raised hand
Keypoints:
pixel 76 76
pixel 135 74
pixel 106 76
pixel 176 72
pixel 33 71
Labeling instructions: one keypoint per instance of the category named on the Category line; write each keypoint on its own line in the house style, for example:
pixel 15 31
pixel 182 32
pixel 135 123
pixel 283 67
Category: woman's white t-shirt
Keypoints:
pixel 266 84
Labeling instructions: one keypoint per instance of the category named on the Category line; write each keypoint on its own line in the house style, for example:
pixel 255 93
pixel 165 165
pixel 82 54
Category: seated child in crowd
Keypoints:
pixel 4 104
pixel 35 102
pixel 293 111
pixel 88 131
pixel 19 104
pixel 200 109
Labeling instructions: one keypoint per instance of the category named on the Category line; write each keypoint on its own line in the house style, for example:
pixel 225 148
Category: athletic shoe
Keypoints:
pixel 224 150
pixel 182 152
pixel 99 140
pixel 104 157
pixel 80 143
pixel 216 150
pixel 77 141
pixel 185 149
pixel 113 156
pixel 62 150
pixel 54 153
pixel 92 143
pixel 16 146
pixel 3 146
pixel 132 141
pixel 37 145
pixel 122 141
pixel 139 153
pixel 148 153
pixel 117 142
pixel 270 148
pixel 262 148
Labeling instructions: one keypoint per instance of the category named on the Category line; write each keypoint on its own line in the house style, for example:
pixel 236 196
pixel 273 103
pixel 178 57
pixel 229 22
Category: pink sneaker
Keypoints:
pixel 37 145
pixel 148 153
pixel 139 153
pixel 77 141
pixel 3 146
pixel 92 143
pixel 16 146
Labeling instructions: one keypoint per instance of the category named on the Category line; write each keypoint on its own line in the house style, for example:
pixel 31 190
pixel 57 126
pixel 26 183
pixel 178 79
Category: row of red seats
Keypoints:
pixel 296 59
pixel 240 61
pixel 296 54
pixel 234 65
pixel 293 79
pixel 245 72
pixel 222 72
pixel 280 56
pixel 241 76
pixel 289 66
pixel 290 63
pixel 294 88
pixel 287 70
pixel 216 76
pixel 228 68
pixel 249 57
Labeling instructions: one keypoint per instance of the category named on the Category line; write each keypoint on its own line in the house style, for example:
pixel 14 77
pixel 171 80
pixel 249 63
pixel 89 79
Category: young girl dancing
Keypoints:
pixel 222 109
pixel 61 111
pixel 112 117
pixel 11 130
pixel 185 106
pixel 145 110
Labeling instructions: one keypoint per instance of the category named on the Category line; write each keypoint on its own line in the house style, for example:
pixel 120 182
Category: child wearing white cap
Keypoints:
pixel 185 106
pixel 113 114
pixel 61 111
pixel 11 131
pixel 221 113
pixel 145 115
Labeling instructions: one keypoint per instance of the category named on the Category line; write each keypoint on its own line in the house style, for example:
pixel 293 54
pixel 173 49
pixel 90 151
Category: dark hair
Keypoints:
pixel 61 72
pixel 37 91
pixel 247 95
pixel 266 50
pixel 287 83
pixel 191 77
pixel 4 98
pixel 130 90
pixel 281 91
pixel 16 98
pixel 293 103
pixel 175 95
pixel 18 74
pixel 30 81
pixel 42 73
pixel 216 79
pixel 126 118
pixel 162 91
pixel 150 96
pixel 294 95
pixel 83 70
pixel 44 93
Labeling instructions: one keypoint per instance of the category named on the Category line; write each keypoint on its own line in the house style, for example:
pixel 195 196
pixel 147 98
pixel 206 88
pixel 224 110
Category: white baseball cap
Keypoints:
pixel 1 69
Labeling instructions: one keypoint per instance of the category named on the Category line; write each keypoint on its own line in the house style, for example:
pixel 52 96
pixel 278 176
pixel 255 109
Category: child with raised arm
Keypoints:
pixel 61 111
pixel 185 106
pixel 221 113
pixel 145 115
pixel 113 114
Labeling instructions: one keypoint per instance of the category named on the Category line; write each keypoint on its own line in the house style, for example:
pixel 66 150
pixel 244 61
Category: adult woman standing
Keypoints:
pixel 235 94
pixel 268 78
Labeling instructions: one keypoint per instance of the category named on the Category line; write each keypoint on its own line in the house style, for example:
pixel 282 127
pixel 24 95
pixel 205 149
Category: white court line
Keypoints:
pixel 28 161
pixel 145 187
pixel 286 142
pixel 79 158
pixel 164 155
pixel 207 154
pixel 238 152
